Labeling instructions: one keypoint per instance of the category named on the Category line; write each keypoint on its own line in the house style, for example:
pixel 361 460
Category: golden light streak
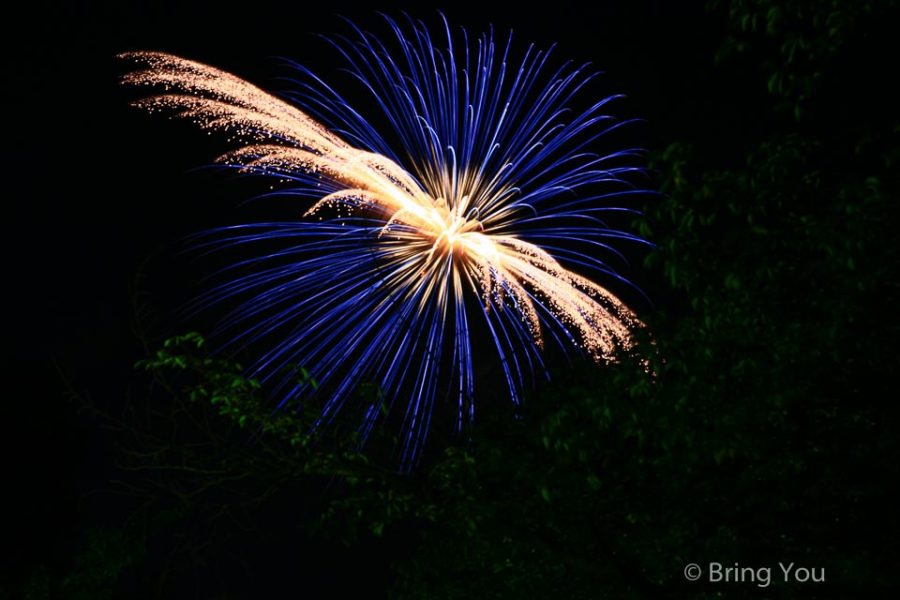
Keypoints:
pixel 279 137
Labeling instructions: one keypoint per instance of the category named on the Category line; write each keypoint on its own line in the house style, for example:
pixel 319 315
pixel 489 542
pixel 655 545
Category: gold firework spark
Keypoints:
pixel 277 137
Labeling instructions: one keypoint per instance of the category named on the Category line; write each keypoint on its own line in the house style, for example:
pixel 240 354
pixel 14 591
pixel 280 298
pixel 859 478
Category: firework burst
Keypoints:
pixel 400 256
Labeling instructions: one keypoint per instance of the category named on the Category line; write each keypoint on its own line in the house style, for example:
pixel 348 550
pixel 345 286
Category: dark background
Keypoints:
pixel 99 195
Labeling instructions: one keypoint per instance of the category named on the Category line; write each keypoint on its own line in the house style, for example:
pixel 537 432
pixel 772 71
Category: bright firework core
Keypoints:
pixel 454 228
pixel 496 172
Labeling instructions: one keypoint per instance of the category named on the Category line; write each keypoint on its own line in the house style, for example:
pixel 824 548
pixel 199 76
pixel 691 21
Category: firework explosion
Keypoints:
pixel 400 257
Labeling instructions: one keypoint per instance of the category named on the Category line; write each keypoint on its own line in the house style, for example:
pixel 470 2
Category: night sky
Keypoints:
pixel 108 193
pixel 106 190
pixel 100 195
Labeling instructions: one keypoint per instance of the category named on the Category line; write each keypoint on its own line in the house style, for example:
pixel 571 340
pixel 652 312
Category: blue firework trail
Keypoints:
pixel 465 225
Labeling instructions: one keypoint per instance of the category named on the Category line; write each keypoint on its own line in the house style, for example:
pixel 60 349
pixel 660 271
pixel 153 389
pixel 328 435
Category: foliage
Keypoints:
pixel 792 41
pixel 757 434
pixel 286 434
pixel 103 557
